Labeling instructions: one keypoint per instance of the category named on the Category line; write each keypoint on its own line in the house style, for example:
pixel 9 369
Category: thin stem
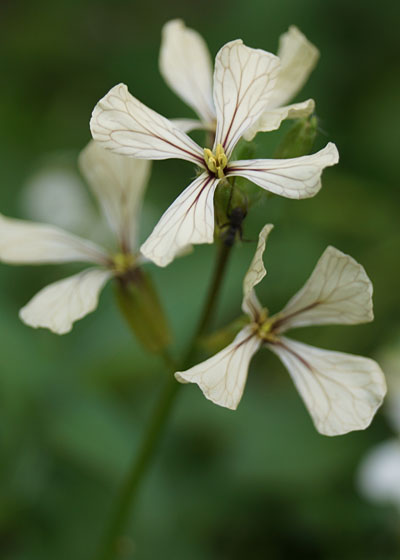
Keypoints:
pixel 168 360
pixel 141 462
pixel 153 433
pixel 215 287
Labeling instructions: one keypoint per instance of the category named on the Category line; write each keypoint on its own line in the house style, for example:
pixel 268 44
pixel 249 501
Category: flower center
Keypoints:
pixel 217 162
pixel 122 262
pixel 265 328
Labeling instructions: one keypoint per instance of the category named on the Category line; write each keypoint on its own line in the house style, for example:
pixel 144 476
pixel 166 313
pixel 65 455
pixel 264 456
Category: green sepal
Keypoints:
pixel 141 307
pixel 299 140
pixel 219 339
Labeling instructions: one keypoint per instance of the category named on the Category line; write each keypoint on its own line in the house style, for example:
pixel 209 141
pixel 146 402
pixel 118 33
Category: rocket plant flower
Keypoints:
pixel 244 84
pixel 341 392
pixel 185 64
pixel 118 183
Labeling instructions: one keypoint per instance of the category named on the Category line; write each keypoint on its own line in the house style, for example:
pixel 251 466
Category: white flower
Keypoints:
pixel 55 194
pixel 390 358
pixel 186 66
pixel 342 392
pixel 118 184
pixel 378 477
pixel 244 81
pixel 379 474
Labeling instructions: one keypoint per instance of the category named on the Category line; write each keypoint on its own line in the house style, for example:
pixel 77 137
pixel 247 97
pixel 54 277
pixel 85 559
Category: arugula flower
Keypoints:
pixel 118 183
pixel 244 82
pixel 341 392
pixel 185 64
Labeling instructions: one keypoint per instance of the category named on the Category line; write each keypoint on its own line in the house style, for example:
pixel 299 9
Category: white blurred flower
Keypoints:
pixel 118 184
pixel 390 358
pixel 55 194
pixel 379 474
pixel 378 477
pixel 186 66
pixel 341 392
pixel 244 84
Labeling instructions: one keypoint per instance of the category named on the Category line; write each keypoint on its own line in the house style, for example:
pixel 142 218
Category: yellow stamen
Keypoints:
pixel 217 162
pixel 122 262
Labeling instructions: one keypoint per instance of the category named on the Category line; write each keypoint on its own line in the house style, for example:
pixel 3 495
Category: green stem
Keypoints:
pixel 213 293
pixel 142 460
pixel 152 436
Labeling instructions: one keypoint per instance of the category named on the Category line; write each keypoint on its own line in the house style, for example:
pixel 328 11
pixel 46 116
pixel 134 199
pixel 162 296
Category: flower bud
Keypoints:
pixel 299 140
pixel 141 307
pixel 217 340
pixel 231 206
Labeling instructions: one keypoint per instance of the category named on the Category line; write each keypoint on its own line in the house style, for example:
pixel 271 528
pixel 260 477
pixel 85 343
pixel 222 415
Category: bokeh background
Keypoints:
pixel 257 483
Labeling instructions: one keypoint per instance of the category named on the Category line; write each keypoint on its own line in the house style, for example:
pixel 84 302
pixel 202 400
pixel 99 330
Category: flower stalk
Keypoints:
pixel 142 461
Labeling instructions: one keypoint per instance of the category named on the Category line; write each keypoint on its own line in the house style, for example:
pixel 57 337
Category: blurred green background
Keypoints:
pixel 257 483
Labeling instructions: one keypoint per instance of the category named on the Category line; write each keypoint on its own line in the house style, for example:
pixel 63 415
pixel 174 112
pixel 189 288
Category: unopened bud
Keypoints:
pixel 139 303
pixel 231 206
pixel 299 140
pixel 218 340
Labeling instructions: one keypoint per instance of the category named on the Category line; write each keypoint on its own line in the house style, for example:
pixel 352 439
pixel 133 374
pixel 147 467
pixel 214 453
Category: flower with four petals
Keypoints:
pixel 186 66
pixel 118 183
pixel 342 392
pixel 244 84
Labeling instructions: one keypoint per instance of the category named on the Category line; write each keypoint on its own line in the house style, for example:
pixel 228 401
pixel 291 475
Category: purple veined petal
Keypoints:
pixel 342 392
pixel 298 58
pixel 271 119
pixel 24 242
pixel 337 292
pixel 119 183
pixel 124 125
pixel 222 377
pixel 292 178
pixel 59 305
pixel 189 220
pixel 188 125
pixel 244 79
pixel 254 275
pixel 186 66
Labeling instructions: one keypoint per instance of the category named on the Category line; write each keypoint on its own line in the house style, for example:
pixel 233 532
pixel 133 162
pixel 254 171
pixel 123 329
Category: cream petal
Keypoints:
pixel 23 242
pixel 189 220
pixel 118 183
pixel 56 195
pixel 244 79
pixel 222 378
pixel 59 305
pixel 122 124
pixel 298 58
pixel 293 177
pixel 338 291
pixel 342 392
pixel 254 275
pixel 271 119
pixel 186 66
pixel 187 125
